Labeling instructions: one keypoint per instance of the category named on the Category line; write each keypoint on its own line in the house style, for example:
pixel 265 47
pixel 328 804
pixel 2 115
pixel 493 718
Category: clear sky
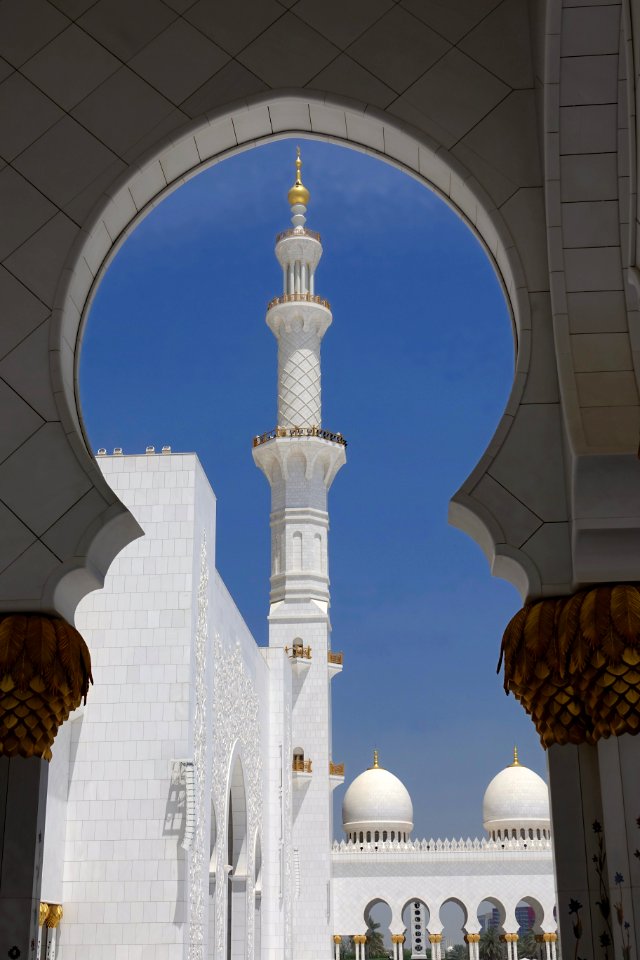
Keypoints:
pixel 417 367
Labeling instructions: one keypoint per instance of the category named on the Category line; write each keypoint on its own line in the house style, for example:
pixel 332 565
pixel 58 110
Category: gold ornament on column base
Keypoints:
pixel 45 671
pixel 397 938
pixel 509 937
pixel 435 938
pixel 574 664
pixel 472 938
pixel 42 913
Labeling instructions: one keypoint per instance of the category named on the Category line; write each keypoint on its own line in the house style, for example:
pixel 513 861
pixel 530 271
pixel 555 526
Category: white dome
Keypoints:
pixel 516 804
pixel 377 803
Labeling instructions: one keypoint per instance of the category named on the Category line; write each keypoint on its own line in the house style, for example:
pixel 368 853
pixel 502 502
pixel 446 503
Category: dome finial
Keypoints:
pixel 298 194
pixel 376 765
pixel 516 762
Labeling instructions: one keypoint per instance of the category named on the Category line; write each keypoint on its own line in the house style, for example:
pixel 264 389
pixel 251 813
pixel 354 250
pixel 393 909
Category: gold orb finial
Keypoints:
pixel 516 762
pixel 376 765
pixel 298 192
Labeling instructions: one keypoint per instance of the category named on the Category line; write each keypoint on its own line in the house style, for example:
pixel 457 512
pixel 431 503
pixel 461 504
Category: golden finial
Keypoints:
pixel 298 192
pixel 516 762
pixel 375 760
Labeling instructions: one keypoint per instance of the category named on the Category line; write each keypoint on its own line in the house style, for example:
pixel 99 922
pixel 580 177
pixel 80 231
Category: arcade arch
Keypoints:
pixel 378 922
pixel 205 143
pixel 415 917
pixel 454 917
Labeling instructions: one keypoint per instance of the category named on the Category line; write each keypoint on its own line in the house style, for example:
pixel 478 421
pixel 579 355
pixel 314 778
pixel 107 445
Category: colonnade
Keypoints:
pixel 546 940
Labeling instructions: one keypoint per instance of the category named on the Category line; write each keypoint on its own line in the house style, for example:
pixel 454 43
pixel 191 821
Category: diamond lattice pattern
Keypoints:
pixel 299 380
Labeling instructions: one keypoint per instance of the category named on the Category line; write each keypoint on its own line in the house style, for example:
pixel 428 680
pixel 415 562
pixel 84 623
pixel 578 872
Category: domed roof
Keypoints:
pixel 515 797
pixel 376 799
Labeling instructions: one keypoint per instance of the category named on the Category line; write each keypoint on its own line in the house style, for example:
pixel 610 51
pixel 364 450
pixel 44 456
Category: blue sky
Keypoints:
pixel 417 367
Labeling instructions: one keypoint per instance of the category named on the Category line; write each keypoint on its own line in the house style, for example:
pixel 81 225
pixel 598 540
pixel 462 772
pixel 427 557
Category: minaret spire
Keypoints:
pixel 298 195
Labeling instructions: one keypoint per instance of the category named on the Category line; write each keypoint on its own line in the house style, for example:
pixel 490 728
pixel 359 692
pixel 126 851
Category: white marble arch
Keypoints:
pixel 494 520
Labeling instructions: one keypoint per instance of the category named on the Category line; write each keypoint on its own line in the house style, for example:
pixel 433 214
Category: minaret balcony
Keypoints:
pixel 336 774
pixel 297 432
pixel 302 769
pixel 298 232
pixel 298 298
pixel 299 657
pixel 334 660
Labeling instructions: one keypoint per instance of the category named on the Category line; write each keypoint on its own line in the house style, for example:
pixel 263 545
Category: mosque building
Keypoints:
pixel 189 810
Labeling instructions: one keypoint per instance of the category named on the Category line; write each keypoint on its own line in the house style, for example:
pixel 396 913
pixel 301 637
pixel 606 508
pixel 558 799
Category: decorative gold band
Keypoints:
pixel 435 938
pixel 472 938
pixel 360 938
pixel 45 671
pixel 54 915
pixel 509 937
pixel 546 937
pixel 397 938
pixel 574 664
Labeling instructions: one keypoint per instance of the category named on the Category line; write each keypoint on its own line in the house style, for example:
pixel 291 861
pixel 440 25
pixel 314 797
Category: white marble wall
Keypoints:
pixel 128 887
pixel 397 879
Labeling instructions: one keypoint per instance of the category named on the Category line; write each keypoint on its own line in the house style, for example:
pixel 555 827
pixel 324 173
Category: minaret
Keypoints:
pixel 300 460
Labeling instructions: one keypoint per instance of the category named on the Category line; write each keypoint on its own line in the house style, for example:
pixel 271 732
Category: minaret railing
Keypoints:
pixel 298 232
pixel 298 298
pixel 299 432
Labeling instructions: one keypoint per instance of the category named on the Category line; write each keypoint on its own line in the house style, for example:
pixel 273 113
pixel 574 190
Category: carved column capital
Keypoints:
pixel 54 915
pixel 574 664
pixel 45 671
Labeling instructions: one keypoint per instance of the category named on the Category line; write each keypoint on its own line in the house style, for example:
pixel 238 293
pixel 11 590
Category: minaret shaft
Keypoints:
pixel 300 460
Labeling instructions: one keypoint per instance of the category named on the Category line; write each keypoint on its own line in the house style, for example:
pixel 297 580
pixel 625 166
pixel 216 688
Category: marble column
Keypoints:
pixel 23 798
pixel 54 916
pixel 435 939
pixel 397 941
pixel 574 664
pixel 473 942
pixel 337 940
pixel 42 916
